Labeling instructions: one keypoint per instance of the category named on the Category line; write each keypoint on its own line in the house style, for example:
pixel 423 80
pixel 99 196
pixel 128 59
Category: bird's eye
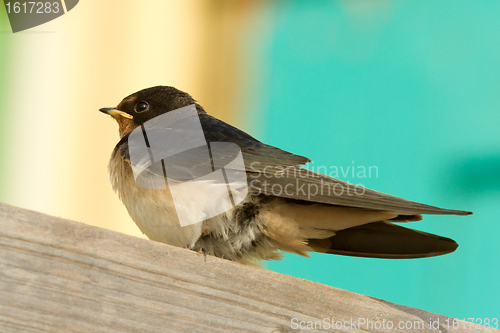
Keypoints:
pixel 141 107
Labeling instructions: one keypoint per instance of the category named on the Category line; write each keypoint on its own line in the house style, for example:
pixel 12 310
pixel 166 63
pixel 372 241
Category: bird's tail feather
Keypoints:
pixel 384 240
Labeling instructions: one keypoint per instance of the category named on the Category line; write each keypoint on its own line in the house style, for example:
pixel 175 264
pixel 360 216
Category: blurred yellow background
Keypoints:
pixel 60 74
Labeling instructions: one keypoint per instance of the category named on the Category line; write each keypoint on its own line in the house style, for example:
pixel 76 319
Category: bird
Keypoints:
pixel 348 220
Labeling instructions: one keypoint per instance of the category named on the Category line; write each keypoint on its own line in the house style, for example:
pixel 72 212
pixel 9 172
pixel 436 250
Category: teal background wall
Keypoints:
pixel 412 87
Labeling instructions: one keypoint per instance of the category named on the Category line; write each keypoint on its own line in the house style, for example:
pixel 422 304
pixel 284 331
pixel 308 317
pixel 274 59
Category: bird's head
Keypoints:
pixel 134 110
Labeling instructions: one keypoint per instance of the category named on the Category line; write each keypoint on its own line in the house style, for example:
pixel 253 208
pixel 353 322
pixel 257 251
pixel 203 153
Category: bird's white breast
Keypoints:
pixel 152 210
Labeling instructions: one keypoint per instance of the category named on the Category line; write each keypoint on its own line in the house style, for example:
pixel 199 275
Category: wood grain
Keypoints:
pixel 63 276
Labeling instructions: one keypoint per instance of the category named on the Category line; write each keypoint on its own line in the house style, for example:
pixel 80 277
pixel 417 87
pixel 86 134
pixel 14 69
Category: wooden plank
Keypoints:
pixel 63 276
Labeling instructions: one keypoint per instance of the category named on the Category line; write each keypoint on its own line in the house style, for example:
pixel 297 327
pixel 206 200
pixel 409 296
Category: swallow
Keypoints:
pixel 347 220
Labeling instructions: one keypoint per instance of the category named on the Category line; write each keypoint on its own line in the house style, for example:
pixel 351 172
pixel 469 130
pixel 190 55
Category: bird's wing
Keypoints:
pixel 254 151
pixel 199 161
pixel 303 184
pixel 275 172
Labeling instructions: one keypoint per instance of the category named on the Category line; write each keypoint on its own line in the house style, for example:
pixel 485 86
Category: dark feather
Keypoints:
pixel 384 240
pixel 271 171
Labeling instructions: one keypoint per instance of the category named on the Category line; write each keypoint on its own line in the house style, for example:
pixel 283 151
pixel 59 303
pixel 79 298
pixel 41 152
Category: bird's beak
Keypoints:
pixel 115 113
